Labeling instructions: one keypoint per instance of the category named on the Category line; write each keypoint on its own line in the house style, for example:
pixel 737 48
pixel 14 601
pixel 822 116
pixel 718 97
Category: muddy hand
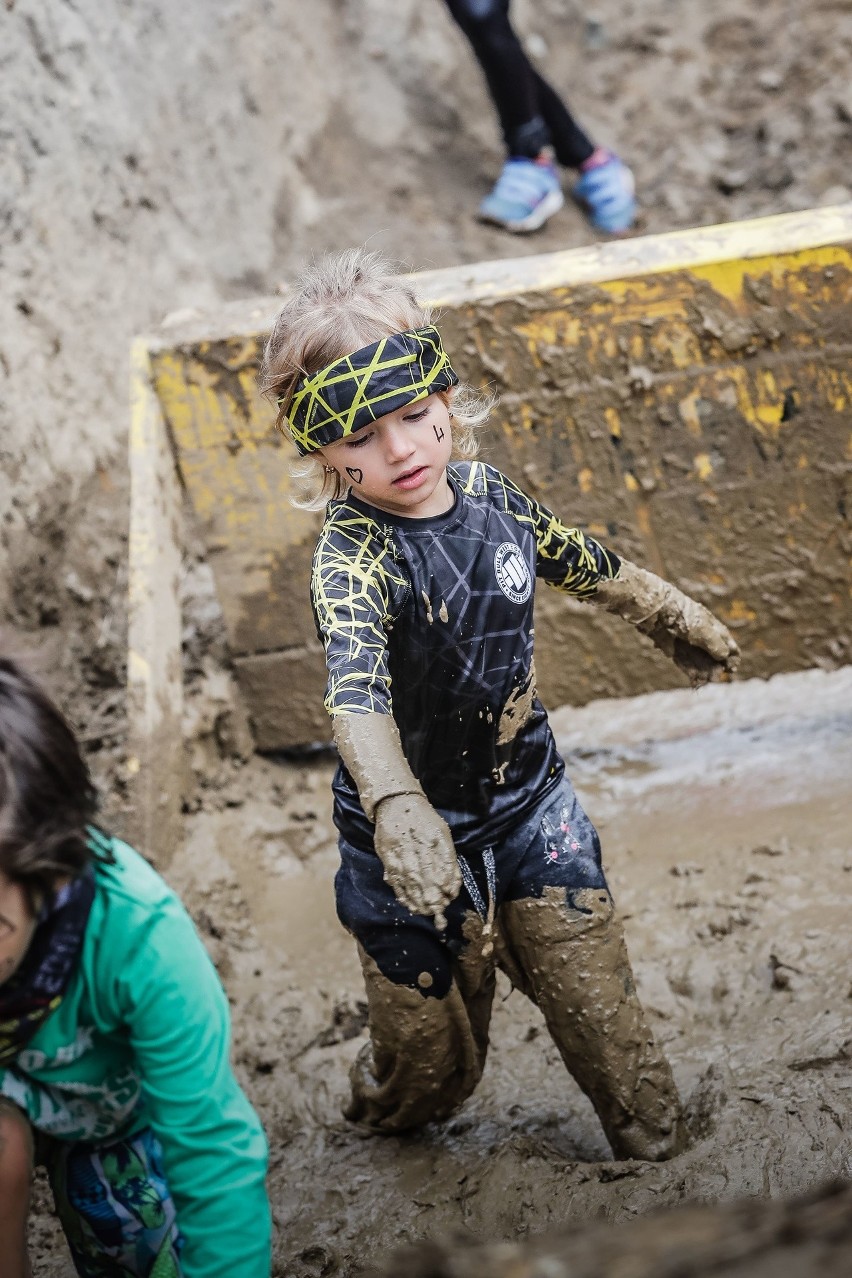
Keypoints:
pixel 682 628
pixel 416 849
pixel 692 637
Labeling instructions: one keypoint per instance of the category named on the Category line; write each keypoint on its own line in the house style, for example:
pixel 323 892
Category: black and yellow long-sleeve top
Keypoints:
pixel 431 620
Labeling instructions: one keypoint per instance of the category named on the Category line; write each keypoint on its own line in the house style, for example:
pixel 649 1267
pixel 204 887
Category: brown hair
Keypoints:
pixel 338 304
pixel 47 797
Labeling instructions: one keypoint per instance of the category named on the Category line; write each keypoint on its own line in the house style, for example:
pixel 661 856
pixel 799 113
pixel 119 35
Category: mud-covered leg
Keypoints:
pixel 429 993
pixel 569 955
pixel 426 1054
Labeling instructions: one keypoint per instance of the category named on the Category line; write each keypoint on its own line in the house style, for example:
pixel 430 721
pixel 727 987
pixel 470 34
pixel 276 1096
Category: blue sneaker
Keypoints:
pixel 606 189
pixel 525 195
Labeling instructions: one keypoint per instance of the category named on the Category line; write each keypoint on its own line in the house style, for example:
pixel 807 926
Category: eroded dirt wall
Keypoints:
pixel 687 405
pixel 155 157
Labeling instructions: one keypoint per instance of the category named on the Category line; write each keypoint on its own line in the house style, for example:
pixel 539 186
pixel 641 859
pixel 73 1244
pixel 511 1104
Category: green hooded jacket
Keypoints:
pixel 141 1039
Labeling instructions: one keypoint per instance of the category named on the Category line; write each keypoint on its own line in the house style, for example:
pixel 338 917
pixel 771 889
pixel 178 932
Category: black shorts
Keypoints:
pixel 555 845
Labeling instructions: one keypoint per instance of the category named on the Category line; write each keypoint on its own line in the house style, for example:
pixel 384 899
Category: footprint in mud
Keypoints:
pixel 315 1261
pixel 707 1101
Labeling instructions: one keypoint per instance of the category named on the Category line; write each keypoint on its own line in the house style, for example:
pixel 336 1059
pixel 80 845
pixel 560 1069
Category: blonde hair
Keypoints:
pixel 338 304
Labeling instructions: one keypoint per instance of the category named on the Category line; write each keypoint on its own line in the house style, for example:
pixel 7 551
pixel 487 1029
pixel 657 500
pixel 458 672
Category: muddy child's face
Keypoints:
pixel 17 925
pixel 399 464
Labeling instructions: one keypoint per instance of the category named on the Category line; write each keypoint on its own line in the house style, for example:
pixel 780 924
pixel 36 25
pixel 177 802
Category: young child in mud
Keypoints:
pixel 114 1037
pixel 463 845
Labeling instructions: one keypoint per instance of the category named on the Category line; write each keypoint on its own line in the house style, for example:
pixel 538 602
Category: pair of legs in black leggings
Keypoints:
pixel 532 115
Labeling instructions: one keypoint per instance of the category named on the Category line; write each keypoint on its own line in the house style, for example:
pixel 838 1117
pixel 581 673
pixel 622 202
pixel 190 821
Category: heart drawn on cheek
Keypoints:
pixel 355 474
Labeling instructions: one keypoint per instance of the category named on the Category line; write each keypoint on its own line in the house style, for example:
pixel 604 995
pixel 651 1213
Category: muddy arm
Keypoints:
pixel 412 841
pixel 682 628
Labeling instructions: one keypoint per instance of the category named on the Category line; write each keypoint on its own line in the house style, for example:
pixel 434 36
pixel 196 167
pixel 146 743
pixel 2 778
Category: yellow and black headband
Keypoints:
pixel 378 379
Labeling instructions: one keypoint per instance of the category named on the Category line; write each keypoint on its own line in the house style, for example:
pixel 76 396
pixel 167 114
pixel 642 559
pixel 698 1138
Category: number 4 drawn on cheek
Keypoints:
pixel 355 474
pixel 439 432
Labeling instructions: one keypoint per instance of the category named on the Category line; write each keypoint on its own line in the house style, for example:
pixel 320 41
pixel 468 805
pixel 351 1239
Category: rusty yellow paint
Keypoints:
pixel 613 421
pixel 638 347
pixel 556 328
pixel 703 466
pixel 688 409
pixel 680 396
pixel 738 612
pixel 767 403
pixel 673 253
pixel 609 345
pixel 681 346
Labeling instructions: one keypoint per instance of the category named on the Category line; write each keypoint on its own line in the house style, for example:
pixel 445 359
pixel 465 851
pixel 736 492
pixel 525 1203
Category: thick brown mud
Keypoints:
pixel 725 819
pixel 809 1237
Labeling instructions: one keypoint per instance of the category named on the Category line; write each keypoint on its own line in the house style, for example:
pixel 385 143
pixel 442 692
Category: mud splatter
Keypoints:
pixel 517 709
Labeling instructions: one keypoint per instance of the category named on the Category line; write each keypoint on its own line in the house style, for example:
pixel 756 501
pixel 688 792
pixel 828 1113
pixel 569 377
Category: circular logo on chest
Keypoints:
pixel 513 575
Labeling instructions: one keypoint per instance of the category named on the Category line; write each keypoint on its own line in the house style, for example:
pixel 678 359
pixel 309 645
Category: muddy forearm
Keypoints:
pixel 370 747
pixel 635 594
pixel 412 840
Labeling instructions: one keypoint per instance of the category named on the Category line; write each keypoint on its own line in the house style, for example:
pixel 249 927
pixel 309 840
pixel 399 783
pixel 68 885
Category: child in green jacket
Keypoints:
pixel 114 1037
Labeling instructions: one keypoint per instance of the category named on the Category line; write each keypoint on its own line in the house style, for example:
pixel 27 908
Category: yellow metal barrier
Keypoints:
pixel 686 397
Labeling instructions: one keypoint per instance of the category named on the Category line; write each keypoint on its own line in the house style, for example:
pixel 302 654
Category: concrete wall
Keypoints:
pixel 686 397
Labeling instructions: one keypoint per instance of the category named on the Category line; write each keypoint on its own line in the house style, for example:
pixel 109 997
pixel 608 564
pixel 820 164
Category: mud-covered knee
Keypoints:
pixel 561 915
pixel 591 908
pixel 16 1151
